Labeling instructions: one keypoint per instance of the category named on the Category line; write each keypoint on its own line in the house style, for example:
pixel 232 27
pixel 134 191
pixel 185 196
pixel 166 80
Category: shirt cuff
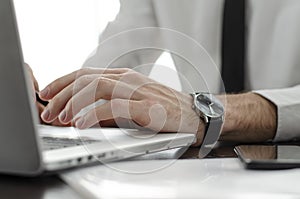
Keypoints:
pixel 288 111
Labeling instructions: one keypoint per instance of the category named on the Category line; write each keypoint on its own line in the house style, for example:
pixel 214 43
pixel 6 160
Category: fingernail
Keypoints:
pixel 62 116
pixel 44 93
pixel 46 115
pixel 79 123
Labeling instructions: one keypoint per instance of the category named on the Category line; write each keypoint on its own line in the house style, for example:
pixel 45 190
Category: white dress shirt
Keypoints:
pixel 273 48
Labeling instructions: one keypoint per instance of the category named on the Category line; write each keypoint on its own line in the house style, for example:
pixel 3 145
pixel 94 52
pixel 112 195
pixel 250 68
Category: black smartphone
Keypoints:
pixel 269 156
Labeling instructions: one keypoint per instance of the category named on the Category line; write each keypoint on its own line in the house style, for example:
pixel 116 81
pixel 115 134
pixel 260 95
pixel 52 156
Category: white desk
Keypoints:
pixel 208 178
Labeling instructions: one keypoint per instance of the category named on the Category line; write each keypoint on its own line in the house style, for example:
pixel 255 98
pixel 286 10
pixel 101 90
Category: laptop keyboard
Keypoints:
pixel 52 143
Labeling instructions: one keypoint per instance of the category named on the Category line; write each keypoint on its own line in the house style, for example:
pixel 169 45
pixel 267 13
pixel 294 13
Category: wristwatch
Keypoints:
pixel 211 111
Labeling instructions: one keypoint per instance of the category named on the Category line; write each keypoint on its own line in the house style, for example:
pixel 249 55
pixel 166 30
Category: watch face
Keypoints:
pixel 209 105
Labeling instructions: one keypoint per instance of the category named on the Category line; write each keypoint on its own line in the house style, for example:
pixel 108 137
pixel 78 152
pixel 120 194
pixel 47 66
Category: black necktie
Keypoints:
pixel 233 45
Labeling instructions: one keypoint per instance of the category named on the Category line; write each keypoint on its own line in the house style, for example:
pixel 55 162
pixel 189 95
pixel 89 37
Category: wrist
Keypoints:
pixel 249 118
pixel 210 110
pixel 198 126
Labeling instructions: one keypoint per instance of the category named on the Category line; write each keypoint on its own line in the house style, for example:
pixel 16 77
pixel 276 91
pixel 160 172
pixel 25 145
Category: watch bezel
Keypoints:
pixel 202 111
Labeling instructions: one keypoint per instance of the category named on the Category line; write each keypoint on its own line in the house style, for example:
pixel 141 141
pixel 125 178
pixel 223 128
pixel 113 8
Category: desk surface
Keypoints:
pixel 52 187
pixel 220 171
pixel 202 179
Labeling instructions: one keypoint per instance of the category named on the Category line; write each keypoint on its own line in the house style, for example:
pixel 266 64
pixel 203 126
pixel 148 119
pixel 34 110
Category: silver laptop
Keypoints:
pixel 27 148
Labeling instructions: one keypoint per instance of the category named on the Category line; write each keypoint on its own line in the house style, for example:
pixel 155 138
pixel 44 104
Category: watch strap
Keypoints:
pixel 211 136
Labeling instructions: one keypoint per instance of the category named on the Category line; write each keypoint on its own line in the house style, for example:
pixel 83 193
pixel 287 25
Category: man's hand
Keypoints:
pixel 35 89
pixel 129 95
pixel 34 83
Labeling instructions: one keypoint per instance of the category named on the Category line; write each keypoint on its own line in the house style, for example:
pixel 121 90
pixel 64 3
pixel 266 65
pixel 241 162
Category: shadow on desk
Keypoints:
pixel 222 150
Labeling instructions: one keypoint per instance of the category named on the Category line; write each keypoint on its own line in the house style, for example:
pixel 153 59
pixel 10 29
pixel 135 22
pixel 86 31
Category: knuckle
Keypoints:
pixel 139 77
pixel 149 103
pixel 103 87
pixel 142 117
pixel 125 70
pixel 103 82
pixel 84 79
pixel 133 73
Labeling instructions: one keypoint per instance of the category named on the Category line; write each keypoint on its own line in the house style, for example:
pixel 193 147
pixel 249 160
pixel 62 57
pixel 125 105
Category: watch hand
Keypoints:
pixel 211 109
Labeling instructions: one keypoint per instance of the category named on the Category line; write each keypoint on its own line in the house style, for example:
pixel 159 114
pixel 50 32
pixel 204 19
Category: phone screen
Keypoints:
pixel 269 156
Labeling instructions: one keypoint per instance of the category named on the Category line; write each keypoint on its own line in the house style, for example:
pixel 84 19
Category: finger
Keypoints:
pixel 131 77
pixel 56 122
pixel 116 108
pixel 59 84
pixel 32 80
pixel 101 88
pixel 105 87
pixel 58 103
pixel 35 83
pixel 40 107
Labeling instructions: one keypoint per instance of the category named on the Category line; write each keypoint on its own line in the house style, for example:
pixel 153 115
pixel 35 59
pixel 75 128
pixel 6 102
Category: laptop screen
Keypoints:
pixel 18 144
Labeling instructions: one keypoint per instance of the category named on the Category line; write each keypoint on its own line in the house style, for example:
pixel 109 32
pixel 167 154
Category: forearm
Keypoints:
pixel 249 118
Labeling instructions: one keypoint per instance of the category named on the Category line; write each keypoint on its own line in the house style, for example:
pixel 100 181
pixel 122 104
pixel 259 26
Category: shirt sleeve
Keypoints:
pixel 287 101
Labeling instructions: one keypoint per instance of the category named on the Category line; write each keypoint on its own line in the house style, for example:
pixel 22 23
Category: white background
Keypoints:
pixel 58 35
